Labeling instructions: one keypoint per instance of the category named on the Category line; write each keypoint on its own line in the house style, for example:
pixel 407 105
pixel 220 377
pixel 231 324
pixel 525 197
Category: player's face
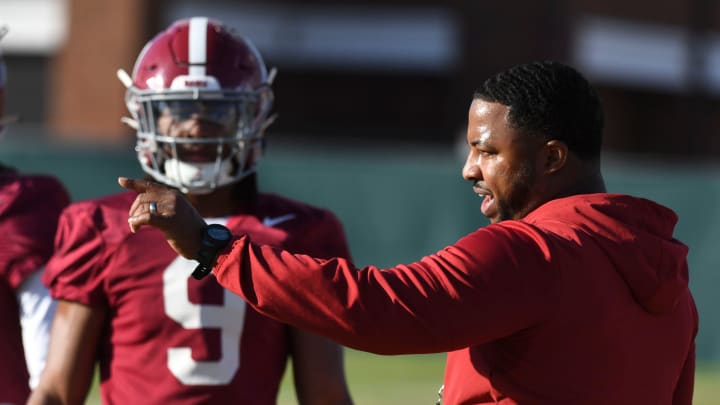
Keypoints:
pixel 198 120
pixel 502 164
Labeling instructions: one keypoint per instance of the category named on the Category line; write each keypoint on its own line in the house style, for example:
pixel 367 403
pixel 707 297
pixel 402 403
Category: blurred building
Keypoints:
pixel 387 70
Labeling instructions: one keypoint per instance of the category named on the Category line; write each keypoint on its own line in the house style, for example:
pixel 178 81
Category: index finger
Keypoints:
pixel 138 185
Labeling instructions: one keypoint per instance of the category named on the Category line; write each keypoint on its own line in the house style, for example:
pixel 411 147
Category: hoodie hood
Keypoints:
pixel 637 236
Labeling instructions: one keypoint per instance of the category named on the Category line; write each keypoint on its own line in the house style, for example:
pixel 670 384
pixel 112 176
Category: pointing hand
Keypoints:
pixel 168 210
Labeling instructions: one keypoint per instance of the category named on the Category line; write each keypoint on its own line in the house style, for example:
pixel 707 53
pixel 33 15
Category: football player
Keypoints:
pixel 29 210
pixel 200 99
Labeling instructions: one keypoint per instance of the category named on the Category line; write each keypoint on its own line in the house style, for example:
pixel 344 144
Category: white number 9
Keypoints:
pixel 229 318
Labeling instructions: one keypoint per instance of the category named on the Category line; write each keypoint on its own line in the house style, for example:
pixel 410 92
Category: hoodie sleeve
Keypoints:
pixel 490 283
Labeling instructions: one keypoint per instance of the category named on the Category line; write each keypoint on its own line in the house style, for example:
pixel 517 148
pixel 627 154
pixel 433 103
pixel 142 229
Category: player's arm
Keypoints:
pixel 71 359
pixel 318 370
pixel 318 366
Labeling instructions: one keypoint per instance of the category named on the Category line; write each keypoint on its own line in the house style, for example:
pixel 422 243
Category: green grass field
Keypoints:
pixel 386 380
pixel 414 380
pixel 707 385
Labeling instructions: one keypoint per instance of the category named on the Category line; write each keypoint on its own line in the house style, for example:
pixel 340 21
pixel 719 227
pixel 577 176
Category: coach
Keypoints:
pixel 571 295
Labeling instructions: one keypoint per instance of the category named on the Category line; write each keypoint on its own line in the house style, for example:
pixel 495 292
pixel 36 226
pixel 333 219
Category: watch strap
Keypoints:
pixel 210 249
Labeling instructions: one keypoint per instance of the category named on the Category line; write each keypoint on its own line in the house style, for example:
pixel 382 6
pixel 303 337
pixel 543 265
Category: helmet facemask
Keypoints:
pixel 199 97
pixel 199 140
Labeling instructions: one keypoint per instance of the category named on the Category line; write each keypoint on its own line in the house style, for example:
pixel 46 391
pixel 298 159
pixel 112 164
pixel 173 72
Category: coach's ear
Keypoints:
pixel 555 156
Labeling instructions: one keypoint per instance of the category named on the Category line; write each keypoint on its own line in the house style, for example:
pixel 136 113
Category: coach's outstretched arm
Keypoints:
pixel 399 310
pixel 168 210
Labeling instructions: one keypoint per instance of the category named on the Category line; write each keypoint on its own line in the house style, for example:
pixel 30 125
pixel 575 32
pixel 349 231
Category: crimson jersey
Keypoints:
pixel 584 301
pixel 170 338
pixel 29 210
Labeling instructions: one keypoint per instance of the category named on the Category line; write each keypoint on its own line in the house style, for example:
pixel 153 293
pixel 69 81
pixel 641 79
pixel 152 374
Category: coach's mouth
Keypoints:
pixel 488 204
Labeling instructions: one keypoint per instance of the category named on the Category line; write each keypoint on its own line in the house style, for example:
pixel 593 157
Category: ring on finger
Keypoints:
pixel 153 208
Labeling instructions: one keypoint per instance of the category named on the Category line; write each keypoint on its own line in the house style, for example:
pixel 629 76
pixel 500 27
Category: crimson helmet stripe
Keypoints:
pixel 197 49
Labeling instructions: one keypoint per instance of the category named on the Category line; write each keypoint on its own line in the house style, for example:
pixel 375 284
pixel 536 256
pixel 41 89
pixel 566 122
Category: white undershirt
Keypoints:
pixel 36 312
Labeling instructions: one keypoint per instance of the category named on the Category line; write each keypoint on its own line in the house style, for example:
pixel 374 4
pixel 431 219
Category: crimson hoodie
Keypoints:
pixel 584 301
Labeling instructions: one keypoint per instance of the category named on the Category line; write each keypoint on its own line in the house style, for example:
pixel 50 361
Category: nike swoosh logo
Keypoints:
pixel 272 221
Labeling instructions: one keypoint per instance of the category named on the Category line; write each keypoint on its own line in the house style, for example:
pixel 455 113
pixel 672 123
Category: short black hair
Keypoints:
pixel 549 100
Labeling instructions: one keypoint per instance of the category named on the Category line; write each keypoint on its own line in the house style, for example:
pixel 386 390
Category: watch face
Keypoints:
pixel 218 233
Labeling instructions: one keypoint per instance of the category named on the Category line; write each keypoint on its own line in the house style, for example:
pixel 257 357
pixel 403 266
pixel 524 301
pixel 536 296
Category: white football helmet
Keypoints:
pixel 200 98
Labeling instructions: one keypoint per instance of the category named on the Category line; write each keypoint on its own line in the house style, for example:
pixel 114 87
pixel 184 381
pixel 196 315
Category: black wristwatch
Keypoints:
pixel 215 238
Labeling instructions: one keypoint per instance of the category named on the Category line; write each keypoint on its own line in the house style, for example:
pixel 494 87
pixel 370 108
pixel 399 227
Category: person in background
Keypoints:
pixel 200 98
pixel 29 209
pixel 572 295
